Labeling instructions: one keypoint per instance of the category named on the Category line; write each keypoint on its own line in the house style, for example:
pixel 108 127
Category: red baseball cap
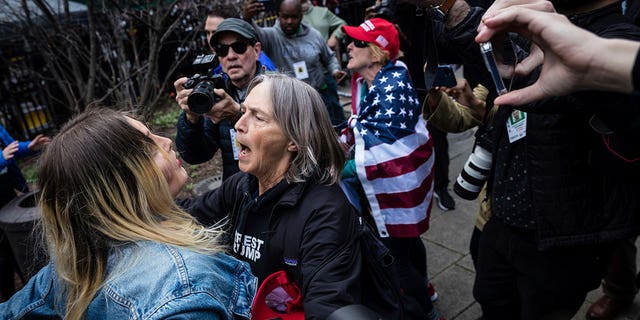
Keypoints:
pixel 378 31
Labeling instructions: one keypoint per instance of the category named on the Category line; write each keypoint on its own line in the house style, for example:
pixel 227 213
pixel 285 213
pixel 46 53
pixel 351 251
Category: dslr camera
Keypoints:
pixel 202 97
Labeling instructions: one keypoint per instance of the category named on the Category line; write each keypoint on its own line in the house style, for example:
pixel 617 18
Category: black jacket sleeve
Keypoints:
pixel 329 284
pixel 197 143
pixel 214 206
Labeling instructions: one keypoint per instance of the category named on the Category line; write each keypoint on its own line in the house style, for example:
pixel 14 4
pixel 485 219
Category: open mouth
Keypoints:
pixel 244 150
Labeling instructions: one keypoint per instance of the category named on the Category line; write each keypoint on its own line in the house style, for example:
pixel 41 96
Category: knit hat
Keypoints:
pixel 235 25
pixel 378 31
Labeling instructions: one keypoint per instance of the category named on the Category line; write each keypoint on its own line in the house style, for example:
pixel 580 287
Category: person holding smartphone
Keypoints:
pixel 544 176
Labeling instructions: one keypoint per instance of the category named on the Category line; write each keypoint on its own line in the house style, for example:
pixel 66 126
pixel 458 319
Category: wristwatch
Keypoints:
pixel 444 7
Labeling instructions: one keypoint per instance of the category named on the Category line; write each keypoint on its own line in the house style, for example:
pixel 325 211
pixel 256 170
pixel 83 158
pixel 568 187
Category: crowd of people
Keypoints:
pixel 555 166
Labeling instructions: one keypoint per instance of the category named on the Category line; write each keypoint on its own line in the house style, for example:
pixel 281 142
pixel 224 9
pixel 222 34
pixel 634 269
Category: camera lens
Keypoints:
pixel 202 98
pixel 474 174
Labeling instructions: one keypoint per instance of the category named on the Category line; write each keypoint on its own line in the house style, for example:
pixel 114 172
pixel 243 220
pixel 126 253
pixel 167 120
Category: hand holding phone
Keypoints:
pixel 268 5
pixel 445 77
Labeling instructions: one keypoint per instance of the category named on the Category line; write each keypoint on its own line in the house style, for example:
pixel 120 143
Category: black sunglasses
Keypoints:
pixel 358 43
pixel 239 47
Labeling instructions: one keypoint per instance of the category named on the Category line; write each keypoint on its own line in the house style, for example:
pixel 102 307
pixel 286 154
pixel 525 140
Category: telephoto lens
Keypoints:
pixel 474 174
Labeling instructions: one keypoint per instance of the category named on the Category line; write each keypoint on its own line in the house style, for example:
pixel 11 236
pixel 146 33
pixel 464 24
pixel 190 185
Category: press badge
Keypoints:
pixel 517 125
pixel 234 144
pixel 300 69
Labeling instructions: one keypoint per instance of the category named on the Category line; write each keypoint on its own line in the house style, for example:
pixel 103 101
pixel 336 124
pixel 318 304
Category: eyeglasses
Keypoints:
pixel 239 47
pixel 358 43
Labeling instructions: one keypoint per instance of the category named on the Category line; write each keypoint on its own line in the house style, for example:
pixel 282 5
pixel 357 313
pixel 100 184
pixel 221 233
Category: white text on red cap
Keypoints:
pixel 369 26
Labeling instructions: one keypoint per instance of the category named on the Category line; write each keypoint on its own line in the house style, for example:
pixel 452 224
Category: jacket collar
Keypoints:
pixel 588 18
pixel 289 194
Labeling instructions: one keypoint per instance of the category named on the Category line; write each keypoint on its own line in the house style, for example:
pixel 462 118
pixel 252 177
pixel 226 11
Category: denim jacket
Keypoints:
pixel 147 280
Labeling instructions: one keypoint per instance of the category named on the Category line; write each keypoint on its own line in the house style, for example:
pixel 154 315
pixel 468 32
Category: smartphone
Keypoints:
pixel 490 61
pixel 268 5
pixel 445 77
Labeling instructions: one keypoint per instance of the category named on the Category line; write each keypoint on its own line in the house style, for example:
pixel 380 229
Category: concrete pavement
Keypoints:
pixel 447 241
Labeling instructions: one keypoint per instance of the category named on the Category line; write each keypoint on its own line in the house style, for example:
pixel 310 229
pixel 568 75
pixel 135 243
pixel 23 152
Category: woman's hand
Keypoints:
pixel 572 58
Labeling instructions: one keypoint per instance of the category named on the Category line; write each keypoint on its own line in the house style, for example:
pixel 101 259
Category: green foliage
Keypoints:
pixel 30 171
pixel 194 171
pixel 166 119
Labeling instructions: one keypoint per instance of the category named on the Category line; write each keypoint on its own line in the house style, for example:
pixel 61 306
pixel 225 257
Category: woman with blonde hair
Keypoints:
pixel 391 168
pixel 121 248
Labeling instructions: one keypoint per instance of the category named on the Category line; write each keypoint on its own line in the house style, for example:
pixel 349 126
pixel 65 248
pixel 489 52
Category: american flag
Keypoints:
pixel 393 153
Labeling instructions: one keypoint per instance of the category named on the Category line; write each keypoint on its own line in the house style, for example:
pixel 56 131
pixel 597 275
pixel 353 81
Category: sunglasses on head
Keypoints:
pixel 239 47
pixel 358 43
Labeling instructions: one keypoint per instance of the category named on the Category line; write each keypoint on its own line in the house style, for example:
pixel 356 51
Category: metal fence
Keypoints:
pixel 24 103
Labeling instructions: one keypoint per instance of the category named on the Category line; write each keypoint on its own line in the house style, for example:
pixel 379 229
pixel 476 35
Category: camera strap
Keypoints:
pixel 431 50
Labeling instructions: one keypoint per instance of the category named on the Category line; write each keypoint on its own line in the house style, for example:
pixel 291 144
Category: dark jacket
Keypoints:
pixel 199 142
pixel 577 191
pixel 331 223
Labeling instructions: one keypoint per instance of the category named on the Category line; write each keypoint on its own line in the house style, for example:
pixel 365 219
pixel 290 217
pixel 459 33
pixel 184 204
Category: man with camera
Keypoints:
pixel 211 104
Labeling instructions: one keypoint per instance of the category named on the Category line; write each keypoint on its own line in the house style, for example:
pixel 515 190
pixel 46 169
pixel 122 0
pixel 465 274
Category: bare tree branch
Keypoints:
pixel 114 54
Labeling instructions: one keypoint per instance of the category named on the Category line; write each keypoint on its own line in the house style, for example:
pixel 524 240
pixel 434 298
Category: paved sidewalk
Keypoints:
pixel 447 241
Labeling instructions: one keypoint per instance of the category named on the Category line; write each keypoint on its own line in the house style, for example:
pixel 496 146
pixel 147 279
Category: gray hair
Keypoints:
pixel 304 119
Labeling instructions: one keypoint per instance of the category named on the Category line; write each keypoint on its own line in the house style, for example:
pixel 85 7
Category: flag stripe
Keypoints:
pixel 401 165
pixel 404 182
pixel 408 230
pixel 407 216
pixel 408 199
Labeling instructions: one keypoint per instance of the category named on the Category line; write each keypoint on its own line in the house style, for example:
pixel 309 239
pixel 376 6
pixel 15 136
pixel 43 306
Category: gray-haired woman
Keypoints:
pixel 291 161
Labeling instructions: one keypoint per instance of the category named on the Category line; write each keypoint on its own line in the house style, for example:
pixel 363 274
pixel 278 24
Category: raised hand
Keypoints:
pixel 39 142
pixel 9 151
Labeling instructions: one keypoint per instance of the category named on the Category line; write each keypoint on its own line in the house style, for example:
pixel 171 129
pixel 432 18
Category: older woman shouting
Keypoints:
pixel 291 161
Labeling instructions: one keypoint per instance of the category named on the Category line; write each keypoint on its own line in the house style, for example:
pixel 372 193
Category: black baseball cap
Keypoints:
pixel 235 25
